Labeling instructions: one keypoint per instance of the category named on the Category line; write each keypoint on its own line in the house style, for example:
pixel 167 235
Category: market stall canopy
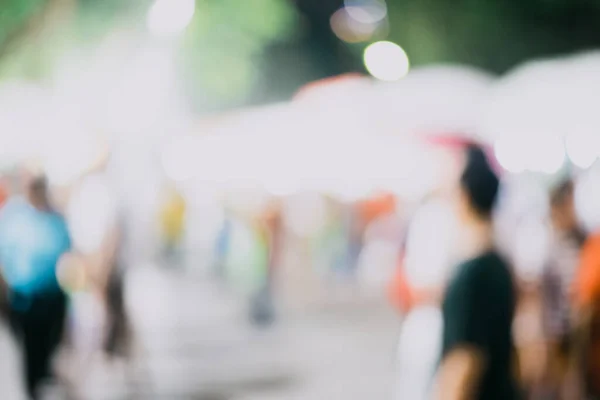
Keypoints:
pixel 538 108
pixel 35 126
pixel 342 104
pixel 435 99
pixel 286 149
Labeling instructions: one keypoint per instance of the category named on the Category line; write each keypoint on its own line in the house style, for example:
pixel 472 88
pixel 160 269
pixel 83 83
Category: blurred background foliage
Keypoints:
pixel 240 52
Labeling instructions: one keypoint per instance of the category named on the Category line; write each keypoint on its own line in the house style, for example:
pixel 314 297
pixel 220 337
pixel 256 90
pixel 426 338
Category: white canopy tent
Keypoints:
pixel 437 99
pixel 35 127
pixel 347 136
pixel 542 106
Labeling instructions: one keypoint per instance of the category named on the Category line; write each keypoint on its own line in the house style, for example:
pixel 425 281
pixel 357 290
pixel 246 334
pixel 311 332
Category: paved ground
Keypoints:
pixel 197 345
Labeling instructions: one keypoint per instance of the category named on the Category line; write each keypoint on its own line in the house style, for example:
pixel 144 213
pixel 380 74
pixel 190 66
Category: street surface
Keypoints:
pixel 194 342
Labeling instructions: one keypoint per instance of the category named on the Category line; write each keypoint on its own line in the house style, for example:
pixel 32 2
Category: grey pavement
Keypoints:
pixel 194 342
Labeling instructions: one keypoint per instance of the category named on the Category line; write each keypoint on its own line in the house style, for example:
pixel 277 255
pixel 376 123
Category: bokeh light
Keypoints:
pixel 386 61
pixel 349 29
pixel 550 156
pixel 366 11
pixel 431 241
pixel 509 155
pixel 536 153
pixel 582 149
pixel 90 212
pixel 531 247
pixel 170 17
pixel 179 158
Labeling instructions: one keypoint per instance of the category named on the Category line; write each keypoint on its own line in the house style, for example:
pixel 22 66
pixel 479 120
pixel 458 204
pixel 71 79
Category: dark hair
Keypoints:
pixel 39 184
pixel 561 193
pixel 479 181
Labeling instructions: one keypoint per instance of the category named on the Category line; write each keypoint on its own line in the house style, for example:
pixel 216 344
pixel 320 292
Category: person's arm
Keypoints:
pixel 460 373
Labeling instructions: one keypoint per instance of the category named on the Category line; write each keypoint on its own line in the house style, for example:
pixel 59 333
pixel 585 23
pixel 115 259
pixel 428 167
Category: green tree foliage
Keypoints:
pixel 494 35
pixel 222 49
pixel 237 51
pixel 22 24
pixel 16 16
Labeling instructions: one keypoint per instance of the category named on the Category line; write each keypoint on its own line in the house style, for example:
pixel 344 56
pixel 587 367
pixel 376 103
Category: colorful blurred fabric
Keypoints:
pixel 173 218
pixel 586 288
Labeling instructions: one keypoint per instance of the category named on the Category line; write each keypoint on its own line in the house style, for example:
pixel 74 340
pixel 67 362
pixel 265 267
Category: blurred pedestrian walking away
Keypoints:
pixel 479 303
pixel 33 237
pixel 557 280
pixel 172 223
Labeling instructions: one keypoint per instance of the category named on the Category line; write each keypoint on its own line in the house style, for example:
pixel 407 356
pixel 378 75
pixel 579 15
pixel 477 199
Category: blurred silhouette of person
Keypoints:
pixel 4 196
pixel 270 231
pixel 222 246
pixel 33 238
pixel 172 219
pixel 427 256
pixel 477 357
pixel 99 228
pixel 425 263
pixel 428 253
pixel 560 269
pixel 416 290
pixel 118 335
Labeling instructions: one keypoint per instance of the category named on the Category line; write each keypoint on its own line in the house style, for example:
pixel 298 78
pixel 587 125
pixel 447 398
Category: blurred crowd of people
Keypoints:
pixel 505 333
pixel 479 323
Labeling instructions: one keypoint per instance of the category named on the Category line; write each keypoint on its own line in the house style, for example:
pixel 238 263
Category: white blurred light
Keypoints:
pixel 386 61
pixel 531 246
pixel 90 212
pixel 349 29
pixel 170 17
pixel 430 244
pixel 537 153
pixel 21 136
pixel 180 158
pixel 582 150
pixel 550 155
pixel 377 262
pixel 70 151
pixel 141 97
pixel 418 352
pixel 509 155
pixel 587 197
pixel 366 11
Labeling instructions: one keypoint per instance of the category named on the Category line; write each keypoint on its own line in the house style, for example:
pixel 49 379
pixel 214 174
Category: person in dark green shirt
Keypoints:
pixel 479 303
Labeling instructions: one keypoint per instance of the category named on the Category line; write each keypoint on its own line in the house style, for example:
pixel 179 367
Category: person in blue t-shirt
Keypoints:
pixel 33 238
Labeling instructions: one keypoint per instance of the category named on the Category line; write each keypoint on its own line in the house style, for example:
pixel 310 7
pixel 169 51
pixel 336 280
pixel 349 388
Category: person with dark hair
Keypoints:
pixel 479 302
pixel 33 238
pixel 560 269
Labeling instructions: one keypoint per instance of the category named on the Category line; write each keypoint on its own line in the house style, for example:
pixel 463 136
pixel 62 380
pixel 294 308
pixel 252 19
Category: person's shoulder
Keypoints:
pixel 15 202
pixel 488 273
pixel 14 205
pixel 58 219
pixel 486 265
